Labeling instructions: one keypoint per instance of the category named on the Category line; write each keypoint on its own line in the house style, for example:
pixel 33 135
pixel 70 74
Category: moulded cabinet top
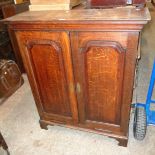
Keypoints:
pixel 103 15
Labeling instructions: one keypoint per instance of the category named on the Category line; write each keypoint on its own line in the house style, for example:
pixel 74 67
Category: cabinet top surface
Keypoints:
pixel 117 14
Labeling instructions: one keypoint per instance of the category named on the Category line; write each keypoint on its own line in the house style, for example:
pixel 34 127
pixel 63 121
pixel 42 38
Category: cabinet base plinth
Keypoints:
pixel 122 140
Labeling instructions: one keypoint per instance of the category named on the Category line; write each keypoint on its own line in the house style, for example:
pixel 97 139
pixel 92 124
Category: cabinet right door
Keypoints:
pixel 99 60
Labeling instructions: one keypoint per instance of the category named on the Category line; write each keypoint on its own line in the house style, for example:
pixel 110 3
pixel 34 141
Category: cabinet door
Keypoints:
pixel 47 59
pixel 99 65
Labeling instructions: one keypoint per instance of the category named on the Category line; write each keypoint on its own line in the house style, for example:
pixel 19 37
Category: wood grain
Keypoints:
pixel 85 15
pixel 81 65
pixel 48 65
pixel 103 79
pixel 46 57
pixel 99 67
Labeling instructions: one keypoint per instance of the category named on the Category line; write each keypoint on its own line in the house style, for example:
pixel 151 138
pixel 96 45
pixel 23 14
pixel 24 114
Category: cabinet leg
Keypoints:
pixel 43 125
pixel 3 143
pixel 7 151
pixel 123 142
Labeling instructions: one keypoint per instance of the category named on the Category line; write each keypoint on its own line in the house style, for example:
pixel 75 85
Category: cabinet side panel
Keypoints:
pixel 128 84
pixel 48 65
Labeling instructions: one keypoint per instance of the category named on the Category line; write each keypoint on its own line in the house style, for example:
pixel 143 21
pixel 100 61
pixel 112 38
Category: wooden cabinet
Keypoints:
pixel 82 71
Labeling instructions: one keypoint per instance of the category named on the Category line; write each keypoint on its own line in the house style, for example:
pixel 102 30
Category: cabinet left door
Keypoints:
pixel 47 60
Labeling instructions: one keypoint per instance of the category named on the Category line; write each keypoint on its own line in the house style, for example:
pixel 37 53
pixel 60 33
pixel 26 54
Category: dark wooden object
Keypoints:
pixel 153 3
pixel 9 10
pixel 5 45
pixel 3 3
pixel 114 3
pixel 81 66
pixel 10 79
pixel 3 144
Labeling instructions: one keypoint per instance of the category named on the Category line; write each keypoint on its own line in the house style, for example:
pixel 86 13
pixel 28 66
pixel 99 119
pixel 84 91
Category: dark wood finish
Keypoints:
pixel 118 16
pixel 16 50
pixel 22 7
pixel 43 125
pixel 99 74
pixel 113 3
pixel 81 67
pixel 3 143
pixel 105 3
pixel 138 2
pixel 10 79
pixel 9 10
pixel 5 2
pixel 153 3
pixel 5 45
pixel 50 61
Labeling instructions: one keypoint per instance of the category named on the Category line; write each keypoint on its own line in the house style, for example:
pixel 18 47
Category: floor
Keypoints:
pixel 20 127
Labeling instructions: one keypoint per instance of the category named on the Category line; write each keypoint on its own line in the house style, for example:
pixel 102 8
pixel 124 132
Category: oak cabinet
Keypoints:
pixel 79 76
pixel 81 68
